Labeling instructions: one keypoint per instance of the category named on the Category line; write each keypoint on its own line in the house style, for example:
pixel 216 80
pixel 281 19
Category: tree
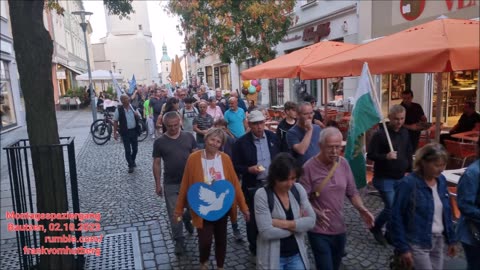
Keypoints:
pixel 33 51
pixel 233 29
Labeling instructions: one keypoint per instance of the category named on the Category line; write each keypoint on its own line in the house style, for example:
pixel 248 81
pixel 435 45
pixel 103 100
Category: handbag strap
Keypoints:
pixel 320 187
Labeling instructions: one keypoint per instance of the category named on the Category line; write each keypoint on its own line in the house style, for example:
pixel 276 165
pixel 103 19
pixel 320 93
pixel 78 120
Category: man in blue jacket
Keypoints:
pixel 252 155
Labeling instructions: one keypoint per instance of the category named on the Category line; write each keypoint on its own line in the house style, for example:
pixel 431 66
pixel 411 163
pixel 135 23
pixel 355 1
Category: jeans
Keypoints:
pixel 429 258
pixel 327 250
pixel 386 188
pixel 130 143
pixel 171 195
pixel 472 255
pixel 292 263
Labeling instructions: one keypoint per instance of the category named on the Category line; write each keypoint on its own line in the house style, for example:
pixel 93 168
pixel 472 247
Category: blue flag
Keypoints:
pixel 133 84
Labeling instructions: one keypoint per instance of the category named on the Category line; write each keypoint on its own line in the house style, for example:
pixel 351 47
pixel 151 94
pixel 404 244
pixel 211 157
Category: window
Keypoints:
pixel 309 3
pixel 7 111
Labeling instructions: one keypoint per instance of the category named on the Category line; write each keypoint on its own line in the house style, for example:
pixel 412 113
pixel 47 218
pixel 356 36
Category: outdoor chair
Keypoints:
pixel 460 150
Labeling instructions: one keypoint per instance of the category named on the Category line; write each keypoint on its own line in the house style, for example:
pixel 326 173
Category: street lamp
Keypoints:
pixel 114 64
pixel 83 24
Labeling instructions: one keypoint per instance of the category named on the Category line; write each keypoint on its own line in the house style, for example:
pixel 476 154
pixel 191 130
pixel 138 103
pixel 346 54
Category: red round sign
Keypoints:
pixel 411 9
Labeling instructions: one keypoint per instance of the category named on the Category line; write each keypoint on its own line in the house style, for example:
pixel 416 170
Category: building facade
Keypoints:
pixel 69 56
pixel 128 45
pixel 166 65
pixel 388 17
pixel 314 21
pixel 11 106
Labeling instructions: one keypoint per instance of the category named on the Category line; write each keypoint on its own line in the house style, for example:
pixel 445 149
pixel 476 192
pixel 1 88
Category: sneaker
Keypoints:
pixel 238 235
pixel 188 226
pixel 378 235
pixel 179 250
pixel 130 170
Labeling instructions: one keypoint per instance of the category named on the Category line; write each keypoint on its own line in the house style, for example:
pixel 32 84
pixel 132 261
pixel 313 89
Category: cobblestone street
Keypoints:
pixel 128 203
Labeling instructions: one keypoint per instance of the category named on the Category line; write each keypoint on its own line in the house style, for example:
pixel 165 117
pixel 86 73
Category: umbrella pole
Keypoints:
pixel 438 112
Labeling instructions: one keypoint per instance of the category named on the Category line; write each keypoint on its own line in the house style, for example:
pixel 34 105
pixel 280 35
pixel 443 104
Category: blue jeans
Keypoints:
pixel 294 262
pixel 471 253
pixel 327 250
pixel 386 188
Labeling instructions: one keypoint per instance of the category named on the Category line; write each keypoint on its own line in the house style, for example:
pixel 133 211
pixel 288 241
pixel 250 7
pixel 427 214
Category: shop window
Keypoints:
pixel 391 92
pixel 457 88
pixel 7 111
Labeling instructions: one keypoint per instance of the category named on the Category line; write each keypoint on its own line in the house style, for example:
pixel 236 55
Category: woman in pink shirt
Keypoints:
pixel 214 110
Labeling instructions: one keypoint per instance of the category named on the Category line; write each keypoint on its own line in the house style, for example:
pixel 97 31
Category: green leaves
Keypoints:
pixel 233 29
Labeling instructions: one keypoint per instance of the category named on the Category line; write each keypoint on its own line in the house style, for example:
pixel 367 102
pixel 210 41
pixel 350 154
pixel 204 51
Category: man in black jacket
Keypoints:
pixel 128 118
pixel 390 166
pixel 252 155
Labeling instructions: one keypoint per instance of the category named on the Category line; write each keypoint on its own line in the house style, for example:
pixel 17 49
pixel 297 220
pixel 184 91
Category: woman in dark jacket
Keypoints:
pixel 421 215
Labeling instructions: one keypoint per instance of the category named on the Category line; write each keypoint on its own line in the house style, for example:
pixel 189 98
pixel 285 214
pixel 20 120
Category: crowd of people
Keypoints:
pixel 291 185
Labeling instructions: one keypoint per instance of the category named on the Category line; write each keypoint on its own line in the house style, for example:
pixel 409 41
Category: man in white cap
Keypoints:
pixel 252 155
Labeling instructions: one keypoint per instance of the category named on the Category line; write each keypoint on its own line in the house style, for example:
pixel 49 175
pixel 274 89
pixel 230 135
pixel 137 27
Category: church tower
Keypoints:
pixel 129 44
pixel 166 65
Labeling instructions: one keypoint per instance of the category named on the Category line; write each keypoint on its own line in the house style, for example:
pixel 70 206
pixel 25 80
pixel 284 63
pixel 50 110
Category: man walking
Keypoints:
pixel 126 118
pixel 252 155
pixel 235 118
pixel 328 179
pixel 303 137
pixel 390 166
pixel 174 147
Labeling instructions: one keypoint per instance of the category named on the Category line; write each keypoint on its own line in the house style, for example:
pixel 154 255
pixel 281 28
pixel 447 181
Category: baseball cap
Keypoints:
pixel 255 116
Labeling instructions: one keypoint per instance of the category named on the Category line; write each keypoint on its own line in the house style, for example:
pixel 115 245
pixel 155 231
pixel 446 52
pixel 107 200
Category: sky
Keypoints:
pixel 157 16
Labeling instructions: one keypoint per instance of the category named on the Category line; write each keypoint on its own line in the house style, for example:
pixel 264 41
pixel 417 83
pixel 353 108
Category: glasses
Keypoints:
pixel 334 147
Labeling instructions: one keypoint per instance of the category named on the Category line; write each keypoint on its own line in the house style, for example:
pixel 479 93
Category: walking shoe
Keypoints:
pixel 188 226
pixel 238 235
pixel 378 235
pixel 204 266
pixel 130 169
pixel 179 250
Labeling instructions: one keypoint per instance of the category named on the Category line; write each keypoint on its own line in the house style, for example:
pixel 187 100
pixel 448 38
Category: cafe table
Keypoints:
pixel 467 136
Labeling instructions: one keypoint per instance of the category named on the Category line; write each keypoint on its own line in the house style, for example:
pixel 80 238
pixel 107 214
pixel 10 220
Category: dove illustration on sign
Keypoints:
pixel 211 202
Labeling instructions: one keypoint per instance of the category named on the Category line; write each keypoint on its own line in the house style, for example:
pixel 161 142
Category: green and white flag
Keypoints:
pixel 365 115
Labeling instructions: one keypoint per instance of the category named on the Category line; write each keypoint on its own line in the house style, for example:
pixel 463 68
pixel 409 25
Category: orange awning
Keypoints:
pixel 288 65
pixel 441 45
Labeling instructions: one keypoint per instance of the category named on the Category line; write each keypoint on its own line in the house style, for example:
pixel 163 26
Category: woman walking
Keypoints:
pixel 421 220
pixel 210 165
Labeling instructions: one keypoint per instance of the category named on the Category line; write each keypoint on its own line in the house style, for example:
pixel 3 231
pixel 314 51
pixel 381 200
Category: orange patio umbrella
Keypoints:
pixel 288 65
pixel 177 71
pixel 441 45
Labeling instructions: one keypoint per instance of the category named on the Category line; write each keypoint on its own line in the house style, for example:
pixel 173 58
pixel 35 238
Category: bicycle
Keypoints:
pixel 101 129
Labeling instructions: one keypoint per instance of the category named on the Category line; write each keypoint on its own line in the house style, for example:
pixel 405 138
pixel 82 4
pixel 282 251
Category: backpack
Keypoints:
pixel 270 200
pixel 183 112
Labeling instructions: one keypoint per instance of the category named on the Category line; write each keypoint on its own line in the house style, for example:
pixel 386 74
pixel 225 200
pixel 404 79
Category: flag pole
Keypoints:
pixel 374 92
